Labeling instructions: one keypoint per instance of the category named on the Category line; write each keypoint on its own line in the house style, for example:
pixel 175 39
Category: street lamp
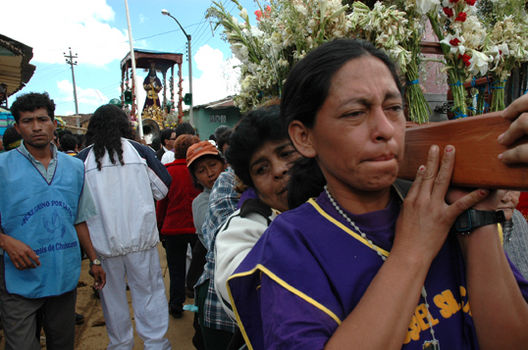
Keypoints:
pixel 189 58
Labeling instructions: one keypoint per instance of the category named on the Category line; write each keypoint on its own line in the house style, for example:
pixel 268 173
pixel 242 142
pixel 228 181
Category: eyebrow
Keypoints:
pixel 365 101
pixel 280 148
pixel 277 149
pixel 34 117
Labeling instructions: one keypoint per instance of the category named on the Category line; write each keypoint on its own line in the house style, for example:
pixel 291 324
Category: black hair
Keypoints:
pixel 10 136
pixel 68 142
pixel 184 128
pixel 220 130
pixel 156 143
pixel 309 81
pixel 61 132
pixel 306 181
pixel 165 134
pixel 223 138
pixel 304 93
pixel 80 141
pixel 32 101
pixel 254 129
pixel 107 125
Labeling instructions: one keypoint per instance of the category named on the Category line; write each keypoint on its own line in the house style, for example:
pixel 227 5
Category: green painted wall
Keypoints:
pixel 206 120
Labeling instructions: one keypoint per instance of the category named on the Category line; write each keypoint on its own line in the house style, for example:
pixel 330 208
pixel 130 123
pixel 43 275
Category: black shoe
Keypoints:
pixel 79 319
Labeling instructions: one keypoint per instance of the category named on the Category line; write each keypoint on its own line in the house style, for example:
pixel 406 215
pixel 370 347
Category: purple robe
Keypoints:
pixel 309 270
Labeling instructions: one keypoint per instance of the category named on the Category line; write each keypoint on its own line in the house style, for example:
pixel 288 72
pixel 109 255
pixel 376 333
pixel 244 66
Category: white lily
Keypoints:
pixel 479 62
pixel 424 6
pixel 454 49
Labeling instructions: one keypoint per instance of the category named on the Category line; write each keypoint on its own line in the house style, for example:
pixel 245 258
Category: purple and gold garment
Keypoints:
pixel 309 271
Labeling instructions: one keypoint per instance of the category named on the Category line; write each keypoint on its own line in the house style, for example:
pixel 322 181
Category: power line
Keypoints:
pixel 163 33
pixel 155 35
pixel 57 71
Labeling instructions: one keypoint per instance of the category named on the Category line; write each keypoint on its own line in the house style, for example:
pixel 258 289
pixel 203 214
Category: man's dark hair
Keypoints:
pixel 220 130
pixel 32 101
pixel 184 128
pixel 156 143
pixel 68 142
pixel 223 138
pixel 306 181
pixel 80 141
pixel 10 138
pixel 165 135
pixel 252 131
pixel 107 125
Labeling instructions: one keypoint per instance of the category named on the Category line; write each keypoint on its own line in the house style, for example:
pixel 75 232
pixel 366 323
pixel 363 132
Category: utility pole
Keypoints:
pixel 134 85
pixel 189 58
pixel 70 60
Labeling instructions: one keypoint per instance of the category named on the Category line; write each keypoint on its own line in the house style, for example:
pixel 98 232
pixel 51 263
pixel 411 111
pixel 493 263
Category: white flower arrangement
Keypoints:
pixel 462 38
pixel 507 43
pixel 285 31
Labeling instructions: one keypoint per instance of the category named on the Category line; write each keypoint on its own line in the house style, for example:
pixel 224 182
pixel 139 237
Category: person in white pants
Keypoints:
pixel 125 177
pixel 143 274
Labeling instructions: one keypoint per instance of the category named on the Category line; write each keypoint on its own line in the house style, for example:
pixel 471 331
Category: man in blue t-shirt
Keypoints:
pixel 44 205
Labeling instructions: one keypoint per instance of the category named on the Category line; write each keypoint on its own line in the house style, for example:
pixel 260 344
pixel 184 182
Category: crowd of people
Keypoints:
pixel 290 230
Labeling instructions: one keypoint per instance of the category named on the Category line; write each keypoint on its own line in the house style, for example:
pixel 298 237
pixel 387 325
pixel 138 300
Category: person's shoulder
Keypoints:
pixel 4 155
pixel 177 164
pixel 227 176
pixel 305 211
pixel 255 205
pixel 519 220
pixel 224 182
pixel 83 154
pixel 280 244
pixel 142 149
pixel 63 157
pixel 302 223
pixel 201 197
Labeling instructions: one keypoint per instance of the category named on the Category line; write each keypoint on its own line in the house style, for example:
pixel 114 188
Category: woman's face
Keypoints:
pixel 207 171
pixel 358 134
pixel 268 168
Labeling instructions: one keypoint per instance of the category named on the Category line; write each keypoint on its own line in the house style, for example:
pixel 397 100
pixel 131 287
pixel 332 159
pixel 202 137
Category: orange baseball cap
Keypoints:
pixel 201 149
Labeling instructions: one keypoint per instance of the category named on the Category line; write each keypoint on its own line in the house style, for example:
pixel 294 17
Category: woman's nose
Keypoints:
pixel 382 127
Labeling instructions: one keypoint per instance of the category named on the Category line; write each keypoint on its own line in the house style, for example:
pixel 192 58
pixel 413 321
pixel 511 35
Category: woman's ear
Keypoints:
pixel 301 137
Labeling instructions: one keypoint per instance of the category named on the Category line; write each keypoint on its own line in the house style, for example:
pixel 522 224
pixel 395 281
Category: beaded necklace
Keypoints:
pixel 427 345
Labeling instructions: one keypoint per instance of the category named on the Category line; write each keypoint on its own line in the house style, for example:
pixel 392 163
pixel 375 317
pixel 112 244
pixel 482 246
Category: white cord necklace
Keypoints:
pixel 428 345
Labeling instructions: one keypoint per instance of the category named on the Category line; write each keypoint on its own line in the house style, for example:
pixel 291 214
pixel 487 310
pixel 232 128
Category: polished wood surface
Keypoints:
pixel 475 141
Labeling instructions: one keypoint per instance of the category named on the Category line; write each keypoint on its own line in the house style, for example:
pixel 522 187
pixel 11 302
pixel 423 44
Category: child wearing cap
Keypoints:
pixel 205 164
